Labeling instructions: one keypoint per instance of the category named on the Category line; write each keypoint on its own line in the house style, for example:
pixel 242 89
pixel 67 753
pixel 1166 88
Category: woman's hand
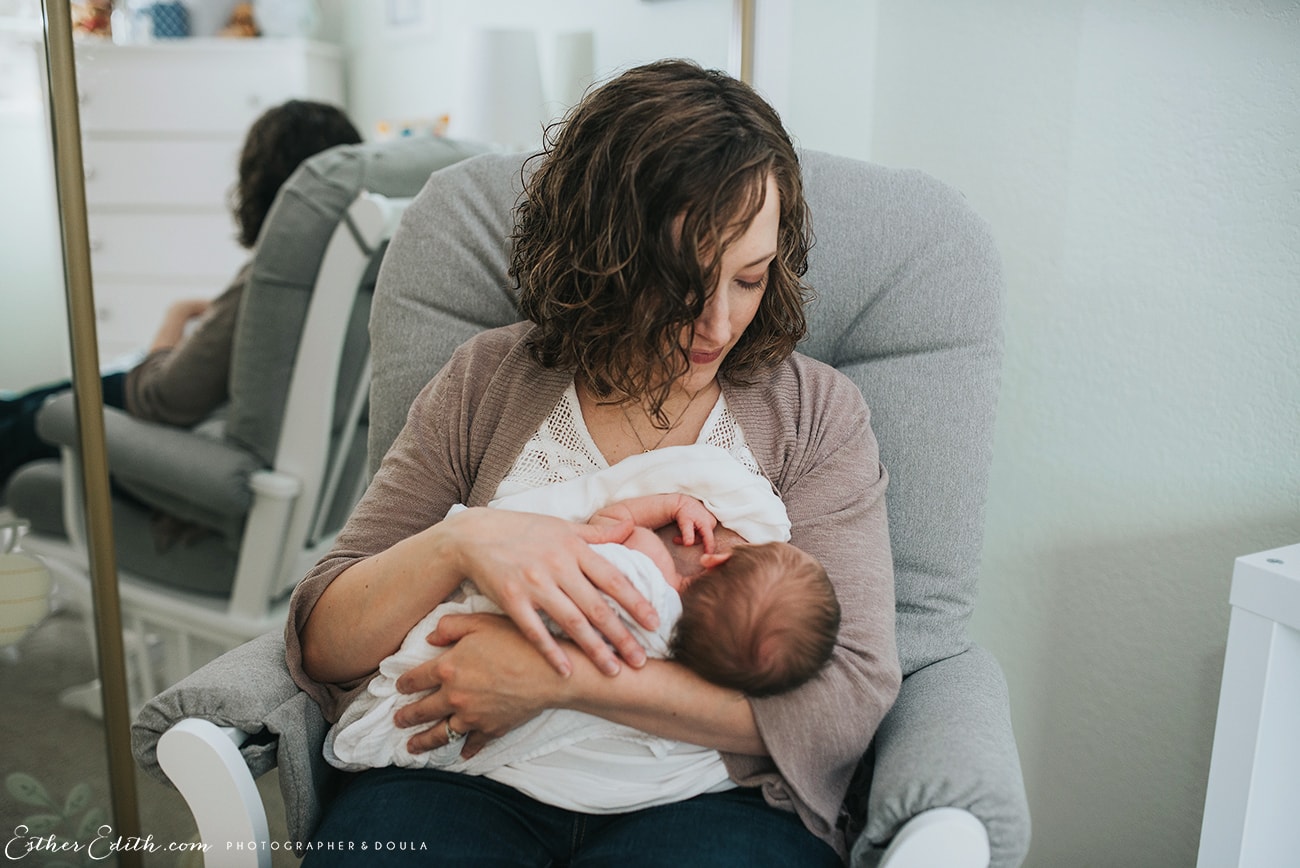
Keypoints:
pixel 525 562
pixel 491 680
pixel 488 682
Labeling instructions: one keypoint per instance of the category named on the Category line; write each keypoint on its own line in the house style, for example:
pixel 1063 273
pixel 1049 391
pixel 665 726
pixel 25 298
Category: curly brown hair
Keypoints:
pixel 620 233
pixel 276 144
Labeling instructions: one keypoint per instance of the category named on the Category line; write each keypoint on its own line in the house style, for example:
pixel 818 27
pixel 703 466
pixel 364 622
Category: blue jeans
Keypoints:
pixel 394 816
pixel 19 442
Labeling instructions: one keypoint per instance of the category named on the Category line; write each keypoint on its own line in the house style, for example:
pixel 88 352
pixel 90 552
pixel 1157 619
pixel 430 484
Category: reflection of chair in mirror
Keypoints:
pixel 909 308
pixel 214 525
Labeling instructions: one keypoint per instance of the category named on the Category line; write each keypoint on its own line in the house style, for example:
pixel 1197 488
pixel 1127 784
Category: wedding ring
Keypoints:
pixel 452 735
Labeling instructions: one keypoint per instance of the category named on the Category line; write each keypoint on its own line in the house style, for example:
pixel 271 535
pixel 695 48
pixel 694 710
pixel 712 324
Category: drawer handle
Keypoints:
pixel 96 244
pixel 88 171
pixel 103 314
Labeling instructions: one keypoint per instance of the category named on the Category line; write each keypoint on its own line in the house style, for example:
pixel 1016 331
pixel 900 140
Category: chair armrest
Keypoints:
pixel 173 469
pixel 948 742
pixel 203 762
pixel 249 689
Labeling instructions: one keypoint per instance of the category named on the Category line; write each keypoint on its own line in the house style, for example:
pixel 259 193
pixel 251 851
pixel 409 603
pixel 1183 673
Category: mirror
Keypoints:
pixel 71 788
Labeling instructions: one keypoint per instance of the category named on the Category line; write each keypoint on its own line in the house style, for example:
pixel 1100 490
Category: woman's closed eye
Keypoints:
pixel 752 285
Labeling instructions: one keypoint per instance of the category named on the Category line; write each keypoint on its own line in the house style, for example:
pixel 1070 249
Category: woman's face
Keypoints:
pixel 731 306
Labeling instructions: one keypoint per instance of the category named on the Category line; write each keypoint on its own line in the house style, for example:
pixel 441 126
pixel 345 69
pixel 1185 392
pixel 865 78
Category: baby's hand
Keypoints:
pixel 692 519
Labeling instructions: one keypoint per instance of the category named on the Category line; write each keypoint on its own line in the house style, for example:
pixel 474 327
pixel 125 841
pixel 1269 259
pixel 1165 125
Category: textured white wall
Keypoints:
pixel 1138 163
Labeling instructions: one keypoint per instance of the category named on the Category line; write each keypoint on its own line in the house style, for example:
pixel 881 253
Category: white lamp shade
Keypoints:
pixel 574 67
pixel 24 595
pixel 500 90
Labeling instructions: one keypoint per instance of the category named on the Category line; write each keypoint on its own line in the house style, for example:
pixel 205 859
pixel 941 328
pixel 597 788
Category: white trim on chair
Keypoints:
pixel 947 837
pixel 203 761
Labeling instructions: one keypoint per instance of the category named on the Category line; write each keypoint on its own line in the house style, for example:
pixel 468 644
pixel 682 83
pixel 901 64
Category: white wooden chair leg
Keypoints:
pixel 203 761
pixel 948 837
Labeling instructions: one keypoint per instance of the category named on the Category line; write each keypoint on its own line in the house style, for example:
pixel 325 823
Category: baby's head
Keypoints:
pixel 762 621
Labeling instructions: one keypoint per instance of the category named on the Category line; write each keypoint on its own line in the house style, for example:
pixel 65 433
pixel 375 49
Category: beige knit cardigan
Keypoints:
pixel 809 429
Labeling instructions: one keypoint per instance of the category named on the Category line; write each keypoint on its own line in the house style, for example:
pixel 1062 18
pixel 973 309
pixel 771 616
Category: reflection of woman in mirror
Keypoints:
pixel 659 248
pixel 185 374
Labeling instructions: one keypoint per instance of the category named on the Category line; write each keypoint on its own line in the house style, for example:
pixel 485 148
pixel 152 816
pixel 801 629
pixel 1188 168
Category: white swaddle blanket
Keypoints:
pixel 739 500
pixel 567 758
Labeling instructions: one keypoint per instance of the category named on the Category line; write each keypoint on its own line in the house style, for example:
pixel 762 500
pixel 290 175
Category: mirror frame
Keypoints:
pixel 69 178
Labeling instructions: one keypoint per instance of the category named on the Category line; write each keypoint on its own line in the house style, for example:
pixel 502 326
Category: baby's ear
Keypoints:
pixel 715 559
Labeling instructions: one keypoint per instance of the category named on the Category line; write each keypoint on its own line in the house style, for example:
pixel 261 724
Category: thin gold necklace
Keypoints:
pixel 671 426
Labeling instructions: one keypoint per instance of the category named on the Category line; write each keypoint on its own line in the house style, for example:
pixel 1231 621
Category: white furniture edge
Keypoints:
pixel 203 761
pixel 939 838
pixel 1254 779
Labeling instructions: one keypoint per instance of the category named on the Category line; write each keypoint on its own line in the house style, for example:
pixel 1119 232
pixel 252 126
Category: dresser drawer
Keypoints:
pixel 165 246
pixel 198 86
pixel 150 173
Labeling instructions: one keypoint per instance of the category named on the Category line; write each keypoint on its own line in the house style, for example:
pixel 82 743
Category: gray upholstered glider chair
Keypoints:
pixel 213 526
pixel 909 308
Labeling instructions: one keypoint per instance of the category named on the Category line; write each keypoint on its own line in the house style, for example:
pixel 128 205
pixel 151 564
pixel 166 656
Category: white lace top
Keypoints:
pixel 562 448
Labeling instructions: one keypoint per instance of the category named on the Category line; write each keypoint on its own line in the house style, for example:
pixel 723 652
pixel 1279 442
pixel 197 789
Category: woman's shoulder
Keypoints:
pixel 796 410
pixel 481 357
pixel 810 384
pixel 495 343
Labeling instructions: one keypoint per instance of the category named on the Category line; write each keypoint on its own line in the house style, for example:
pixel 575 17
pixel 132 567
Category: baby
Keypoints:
pixel 760 619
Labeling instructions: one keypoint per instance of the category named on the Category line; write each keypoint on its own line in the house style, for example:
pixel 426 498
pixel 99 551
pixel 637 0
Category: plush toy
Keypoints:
pixel 241 23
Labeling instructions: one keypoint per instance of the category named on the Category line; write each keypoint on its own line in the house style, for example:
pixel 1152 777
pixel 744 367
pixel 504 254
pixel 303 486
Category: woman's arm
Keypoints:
pixel 182 381
pixel 405 555
pixel 830 478
pixel 522 562
pixel 490 681
pixel 178 316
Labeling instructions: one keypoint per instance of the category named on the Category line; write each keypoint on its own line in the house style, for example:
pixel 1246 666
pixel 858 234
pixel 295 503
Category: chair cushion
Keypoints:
pixel 249 688
pixel 285 265
pixel 148 544
pixel 192 475
pixel 909 307
pixel 908 283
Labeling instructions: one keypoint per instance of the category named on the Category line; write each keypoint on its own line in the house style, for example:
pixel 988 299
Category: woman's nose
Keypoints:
pixel 714 323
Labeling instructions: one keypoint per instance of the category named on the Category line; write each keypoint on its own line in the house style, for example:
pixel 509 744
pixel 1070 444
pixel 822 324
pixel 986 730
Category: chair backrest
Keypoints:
pixel 319 449
pixel 909 307
pixel 285 266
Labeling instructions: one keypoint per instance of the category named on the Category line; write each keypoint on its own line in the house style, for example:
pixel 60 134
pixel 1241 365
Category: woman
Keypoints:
pixel 659 249
pixel 185 375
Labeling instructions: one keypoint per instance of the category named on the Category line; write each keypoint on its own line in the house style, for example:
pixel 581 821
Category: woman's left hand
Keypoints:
pixel 489 681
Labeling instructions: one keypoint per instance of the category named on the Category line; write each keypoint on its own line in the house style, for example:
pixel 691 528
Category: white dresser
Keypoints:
pixel 1254 784
pixel 162 125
